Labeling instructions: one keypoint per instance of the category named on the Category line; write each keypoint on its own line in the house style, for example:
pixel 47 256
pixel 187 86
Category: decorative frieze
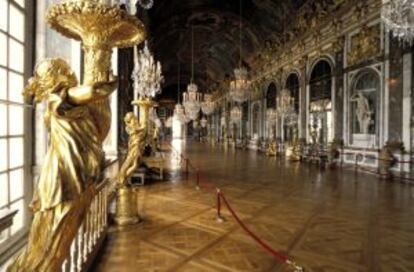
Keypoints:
pixel 365 45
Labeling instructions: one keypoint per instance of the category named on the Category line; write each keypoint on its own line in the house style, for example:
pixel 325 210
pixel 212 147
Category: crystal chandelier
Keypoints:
pixel 146 4
pixel 192 98
pixel 208 106
pixel 285 103
pixel 285 107
pixel 398 17
pixel 203 122
pixel 240 86
pixel 191 101
pixel 235 114
pixel 147 74
pixel 271 116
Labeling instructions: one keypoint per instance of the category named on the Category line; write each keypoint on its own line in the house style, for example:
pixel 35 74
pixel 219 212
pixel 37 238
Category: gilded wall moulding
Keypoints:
pixel 365 45
pixel 338 44
pixel 256 92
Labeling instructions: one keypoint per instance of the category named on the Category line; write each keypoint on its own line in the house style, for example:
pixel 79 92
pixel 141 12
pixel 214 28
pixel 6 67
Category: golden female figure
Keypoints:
pixel 71 167
pixel 136 144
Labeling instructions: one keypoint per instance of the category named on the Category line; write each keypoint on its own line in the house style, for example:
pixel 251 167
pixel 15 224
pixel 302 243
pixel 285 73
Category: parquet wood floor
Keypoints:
pixel 332 220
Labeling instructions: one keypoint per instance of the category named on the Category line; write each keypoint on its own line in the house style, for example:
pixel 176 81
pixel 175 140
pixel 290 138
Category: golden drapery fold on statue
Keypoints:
pixel 72 165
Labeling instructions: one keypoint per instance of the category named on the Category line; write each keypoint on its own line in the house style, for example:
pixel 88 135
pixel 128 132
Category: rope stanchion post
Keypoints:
pixel 219 217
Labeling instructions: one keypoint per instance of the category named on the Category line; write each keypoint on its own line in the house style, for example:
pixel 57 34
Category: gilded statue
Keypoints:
pixel 272 149
pixel 72 165
pixel 136 145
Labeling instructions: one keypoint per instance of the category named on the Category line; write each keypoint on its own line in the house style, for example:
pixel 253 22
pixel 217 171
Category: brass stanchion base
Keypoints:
pixel 126 207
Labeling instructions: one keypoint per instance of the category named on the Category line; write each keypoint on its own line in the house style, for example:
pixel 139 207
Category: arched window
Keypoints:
pixel 364 103
pixel 292 84
pixel 271 96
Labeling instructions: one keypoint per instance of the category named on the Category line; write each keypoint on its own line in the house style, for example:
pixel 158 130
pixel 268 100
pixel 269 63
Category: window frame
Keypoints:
pixel 14 241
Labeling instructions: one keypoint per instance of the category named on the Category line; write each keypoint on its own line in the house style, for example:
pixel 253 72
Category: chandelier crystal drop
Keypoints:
pixel 147 74
pixel 208 105
pixel 398 17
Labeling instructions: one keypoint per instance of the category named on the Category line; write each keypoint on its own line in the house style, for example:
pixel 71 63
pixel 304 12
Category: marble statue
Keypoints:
pixel 363 112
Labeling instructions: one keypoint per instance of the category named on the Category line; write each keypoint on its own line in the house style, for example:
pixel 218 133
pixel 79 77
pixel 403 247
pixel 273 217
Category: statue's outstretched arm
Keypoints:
pixel 86 94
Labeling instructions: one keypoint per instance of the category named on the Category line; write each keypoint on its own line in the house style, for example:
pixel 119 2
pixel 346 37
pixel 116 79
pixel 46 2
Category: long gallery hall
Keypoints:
pixel 231 135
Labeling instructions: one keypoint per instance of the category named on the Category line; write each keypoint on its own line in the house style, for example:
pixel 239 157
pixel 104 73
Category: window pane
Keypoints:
pixel 4 235
pixel 16 23
pixel 3 84
pixel 4 190
pixel 3 15
pixel 20 2
pixel 16 120
pixel 3 120
pixel 3 49
pixel 3 156
pixel 16 56
pixel 16 184
pixel 16 152
pixel 18 219
pixel 16 85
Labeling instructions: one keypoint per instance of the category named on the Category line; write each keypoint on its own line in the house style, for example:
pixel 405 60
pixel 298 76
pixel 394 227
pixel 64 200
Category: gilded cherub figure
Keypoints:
pixel 136 145
pixel 71 167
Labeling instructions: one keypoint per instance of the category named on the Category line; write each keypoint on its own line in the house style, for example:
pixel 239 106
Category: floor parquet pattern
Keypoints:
pixel 331 220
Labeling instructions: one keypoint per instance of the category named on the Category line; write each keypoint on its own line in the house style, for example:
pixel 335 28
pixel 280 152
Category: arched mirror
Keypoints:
pixel 271 111
pixel 255 121
pixel 290 129
pixel 320 103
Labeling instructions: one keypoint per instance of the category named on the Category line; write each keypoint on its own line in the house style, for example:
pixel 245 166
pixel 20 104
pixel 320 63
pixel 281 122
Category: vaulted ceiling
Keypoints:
pixel 216 35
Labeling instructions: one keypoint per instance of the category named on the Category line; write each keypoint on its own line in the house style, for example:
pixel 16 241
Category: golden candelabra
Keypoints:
pixel 126 202
pixel 79 119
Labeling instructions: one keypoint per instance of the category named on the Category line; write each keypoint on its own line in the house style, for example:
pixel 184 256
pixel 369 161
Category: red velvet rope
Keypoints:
pixel 266 246
pixel 209 187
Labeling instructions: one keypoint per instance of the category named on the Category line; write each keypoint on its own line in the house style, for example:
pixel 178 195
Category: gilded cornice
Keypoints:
pixel 313 38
